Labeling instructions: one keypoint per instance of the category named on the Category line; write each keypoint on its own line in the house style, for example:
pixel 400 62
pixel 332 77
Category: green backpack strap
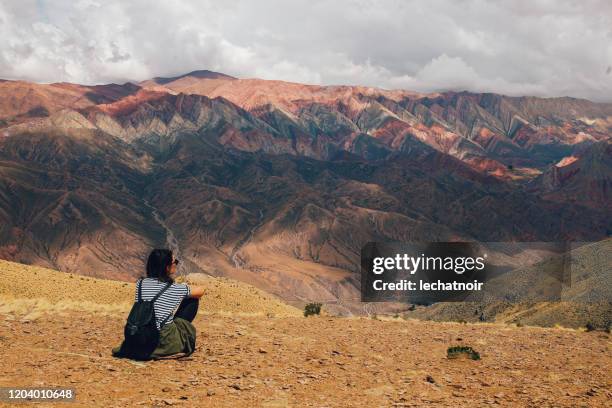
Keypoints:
pixel 139 286
pixel 157 296
pixel 161 291
pixel 166 319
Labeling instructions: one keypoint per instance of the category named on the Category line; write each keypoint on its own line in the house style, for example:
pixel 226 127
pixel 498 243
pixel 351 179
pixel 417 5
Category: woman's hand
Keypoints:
pixel 196 291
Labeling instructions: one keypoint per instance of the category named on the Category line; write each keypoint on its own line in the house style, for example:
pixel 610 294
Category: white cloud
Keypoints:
pixel 535 47
pixel 449 72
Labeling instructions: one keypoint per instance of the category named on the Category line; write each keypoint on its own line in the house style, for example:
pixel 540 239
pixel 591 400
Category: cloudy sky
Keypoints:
pixel 535 47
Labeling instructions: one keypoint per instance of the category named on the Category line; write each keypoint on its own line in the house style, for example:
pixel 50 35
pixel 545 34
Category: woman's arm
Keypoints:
pixel 196 292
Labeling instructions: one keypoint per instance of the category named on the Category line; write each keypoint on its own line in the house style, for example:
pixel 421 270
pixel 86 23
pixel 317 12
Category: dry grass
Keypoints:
pixel 30 309
pixel 33 282
pixel 227 296
pixel 29 291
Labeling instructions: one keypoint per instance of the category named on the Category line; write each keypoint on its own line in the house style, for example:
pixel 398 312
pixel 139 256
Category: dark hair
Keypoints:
pixel 158 264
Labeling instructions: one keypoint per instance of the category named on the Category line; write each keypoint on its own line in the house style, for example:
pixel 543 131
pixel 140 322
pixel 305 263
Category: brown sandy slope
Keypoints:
pixel 585 299
pixel 272 361
pixel 33 290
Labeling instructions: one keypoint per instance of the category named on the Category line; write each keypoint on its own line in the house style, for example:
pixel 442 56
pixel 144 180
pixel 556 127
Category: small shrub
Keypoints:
pixel 312 309
pixel 519 324
pixel 590 327
pixel 459 351
pixel 412 307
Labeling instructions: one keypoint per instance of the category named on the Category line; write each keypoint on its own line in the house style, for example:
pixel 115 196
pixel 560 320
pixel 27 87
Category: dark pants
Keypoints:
pixel 188 309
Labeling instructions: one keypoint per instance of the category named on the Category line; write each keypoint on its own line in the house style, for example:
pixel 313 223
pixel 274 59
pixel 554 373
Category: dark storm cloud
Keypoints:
pixel 545 48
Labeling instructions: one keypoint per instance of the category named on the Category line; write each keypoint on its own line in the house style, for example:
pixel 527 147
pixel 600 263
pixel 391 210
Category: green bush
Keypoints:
pixel 457 351
pixel 312 309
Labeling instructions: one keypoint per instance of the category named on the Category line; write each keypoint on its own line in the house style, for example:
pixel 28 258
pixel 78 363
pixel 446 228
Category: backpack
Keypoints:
pixel 141 333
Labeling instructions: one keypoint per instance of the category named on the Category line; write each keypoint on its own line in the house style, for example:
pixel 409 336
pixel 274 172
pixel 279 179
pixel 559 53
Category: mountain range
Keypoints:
pixel 280 184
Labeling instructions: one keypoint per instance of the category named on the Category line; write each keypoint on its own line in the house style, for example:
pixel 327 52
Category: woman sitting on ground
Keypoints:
pixel 176 333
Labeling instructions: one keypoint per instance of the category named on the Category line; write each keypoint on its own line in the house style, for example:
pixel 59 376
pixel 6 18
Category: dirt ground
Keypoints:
pixel 311 362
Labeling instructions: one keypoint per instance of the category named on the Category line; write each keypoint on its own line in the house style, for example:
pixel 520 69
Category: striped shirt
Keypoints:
pixel 168 302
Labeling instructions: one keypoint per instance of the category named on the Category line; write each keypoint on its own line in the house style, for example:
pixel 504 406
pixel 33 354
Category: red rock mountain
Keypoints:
pixel 281 184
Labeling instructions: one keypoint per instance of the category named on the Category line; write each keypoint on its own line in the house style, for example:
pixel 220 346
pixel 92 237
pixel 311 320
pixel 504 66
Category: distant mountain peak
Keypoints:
pixel 202 73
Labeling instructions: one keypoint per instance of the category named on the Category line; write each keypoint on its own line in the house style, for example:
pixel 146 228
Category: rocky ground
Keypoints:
pixel 57 330
pixel 316 361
